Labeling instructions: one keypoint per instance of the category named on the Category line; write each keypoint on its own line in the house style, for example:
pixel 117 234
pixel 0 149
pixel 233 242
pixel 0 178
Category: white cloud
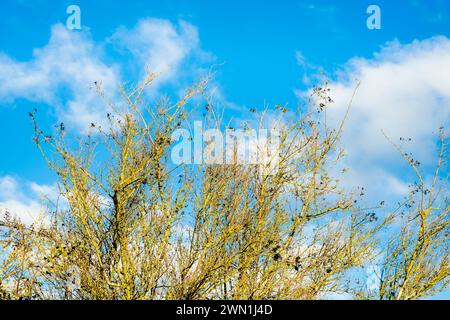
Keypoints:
pixel 71 62
pixel 8 187
pixel 159 45
pixel 46 192
pixel 63 72
pixel 23 199
pixel 404 92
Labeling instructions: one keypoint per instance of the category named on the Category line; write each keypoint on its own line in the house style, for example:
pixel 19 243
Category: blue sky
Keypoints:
pixel 257 41
pixel 269 52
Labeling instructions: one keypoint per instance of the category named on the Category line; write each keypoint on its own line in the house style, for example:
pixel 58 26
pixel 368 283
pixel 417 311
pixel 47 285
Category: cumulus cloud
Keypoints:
pixel 62 73
pixel 160 45
pixel 404 92
pixel 24 199
pixel 70 63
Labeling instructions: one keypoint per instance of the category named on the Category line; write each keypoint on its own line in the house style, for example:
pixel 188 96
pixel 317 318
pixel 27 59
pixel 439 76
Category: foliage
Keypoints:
pixel 131 225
